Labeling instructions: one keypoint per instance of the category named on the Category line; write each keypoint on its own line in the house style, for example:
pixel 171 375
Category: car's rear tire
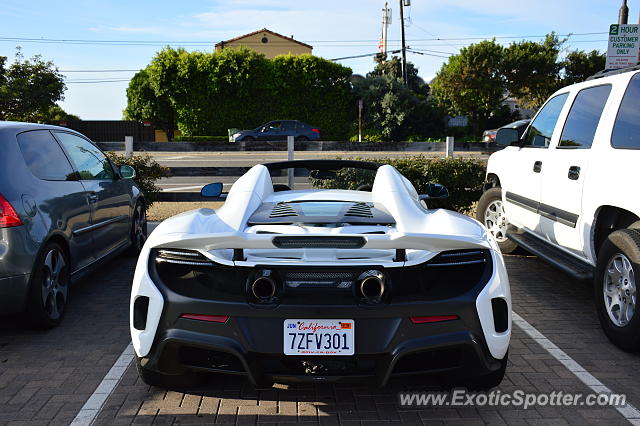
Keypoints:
pixel 153 378
pixel 49 288
pixel 248 139
pixel 302 139
pixel 490 212
pixel 138 229
pixel 615 288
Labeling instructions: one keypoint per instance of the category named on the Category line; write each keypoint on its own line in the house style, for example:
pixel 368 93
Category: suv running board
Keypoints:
pixel 558 258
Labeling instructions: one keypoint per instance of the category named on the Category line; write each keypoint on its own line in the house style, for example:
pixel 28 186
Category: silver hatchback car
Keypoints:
pixel 64 207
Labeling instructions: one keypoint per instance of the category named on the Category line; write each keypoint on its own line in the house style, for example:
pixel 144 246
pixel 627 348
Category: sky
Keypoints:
pixel 125 35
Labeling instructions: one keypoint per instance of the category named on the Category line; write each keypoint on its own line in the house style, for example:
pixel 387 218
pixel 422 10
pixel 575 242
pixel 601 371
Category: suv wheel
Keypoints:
pixel 615 288
pixel 490 212
pixel 49 290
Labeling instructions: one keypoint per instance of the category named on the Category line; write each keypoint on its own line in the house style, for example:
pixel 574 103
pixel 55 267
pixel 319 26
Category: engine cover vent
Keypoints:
pixel 282 210
pixel 359 210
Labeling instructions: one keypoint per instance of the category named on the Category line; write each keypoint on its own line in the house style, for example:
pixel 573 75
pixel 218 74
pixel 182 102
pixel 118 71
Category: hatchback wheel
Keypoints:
pixel 302 138
pixel 49 290
pixel 138 229
pixel 248 139
pixel 615 288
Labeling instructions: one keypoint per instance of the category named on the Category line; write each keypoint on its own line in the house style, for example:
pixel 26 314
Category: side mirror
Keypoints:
pixel 211 190
pixel 127 172
pixel 435 191
pixel 507 136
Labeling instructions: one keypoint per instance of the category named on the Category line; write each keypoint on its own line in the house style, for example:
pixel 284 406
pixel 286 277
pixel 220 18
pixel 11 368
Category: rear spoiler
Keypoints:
pixel 239 241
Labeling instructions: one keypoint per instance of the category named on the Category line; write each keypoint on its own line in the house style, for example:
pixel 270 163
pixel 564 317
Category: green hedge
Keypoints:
pixel 201 139
pixel 148 171
pixel 462 177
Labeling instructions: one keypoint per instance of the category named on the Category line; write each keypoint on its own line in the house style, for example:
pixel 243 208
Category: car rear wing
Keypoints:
pixel 391 241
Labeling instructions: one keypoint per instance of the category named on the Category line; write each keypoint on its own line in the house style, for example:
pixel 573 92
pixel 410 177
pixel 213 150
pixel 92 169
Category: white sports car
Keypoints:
pixel 321 284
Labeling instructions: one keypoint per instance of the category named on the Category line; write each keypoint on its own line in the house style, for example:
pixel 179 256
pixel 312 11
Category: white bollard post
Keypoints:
pixel 128 146
pixel 449 146
pixel 290 141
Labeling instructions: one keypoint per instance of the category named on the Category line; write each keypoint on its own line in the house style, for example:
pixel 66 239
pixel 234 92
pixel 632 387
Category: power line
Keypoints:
pixel 99 70
pixel 209 43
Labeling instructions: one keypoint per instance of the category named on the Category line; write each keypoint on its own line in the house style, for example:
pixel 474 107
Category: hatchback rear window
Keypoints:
pixel 43 156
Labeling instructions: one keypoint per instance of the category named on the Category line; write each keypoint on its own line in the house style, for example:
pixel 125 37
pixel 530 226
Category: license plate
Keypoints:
pixel 318 337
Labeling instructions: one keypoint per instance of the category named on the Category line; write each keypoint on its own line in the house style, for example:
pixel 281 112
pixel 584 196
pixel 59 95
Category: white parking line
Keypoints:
pixel 629 412
pixel 92 407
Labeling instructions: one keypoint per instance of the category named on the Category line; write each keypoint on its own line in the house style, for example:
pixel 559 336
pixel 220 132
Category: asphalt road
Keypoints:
pixel 249 159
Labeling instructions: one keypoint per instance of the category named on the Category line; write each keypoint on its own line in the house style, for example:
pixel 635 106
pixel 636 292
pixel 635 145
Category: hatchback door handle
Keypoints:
pixel 574 173
pixel 537 166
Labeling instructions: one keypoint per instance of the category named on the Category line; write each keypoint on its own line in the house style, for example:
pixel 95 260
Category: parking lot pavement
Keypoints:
pixel 46 377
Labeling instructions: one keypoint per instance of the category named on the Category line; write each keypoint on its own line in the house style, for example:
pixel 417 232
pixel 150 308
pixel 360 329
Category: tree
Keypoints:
pixel 471 83
pixel 531 70
pixel 578 65
pixel 394 110
pixel 143 104
pixel 393 67
pixel 29 88
pixel 56 114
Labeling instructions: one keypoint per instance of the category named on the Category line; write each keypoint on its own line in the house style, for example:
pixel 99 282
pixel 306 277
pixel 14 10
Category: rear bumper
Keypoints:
pixel 13 294
pixel 454 354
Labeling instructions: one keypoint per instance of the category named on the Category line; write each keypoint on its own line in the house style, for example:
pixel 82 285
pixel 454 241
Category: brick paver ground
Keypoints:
pixel 45 377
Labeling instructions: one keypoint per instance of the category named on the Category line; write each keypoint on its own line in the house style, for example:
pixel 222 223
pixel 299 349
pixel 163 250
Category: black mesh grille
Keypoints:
pixel 458 258
pixel 319 242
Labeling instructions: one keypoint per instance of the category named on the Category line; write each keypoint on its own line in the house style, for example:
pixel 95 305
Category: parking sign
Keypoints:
pixel 623 46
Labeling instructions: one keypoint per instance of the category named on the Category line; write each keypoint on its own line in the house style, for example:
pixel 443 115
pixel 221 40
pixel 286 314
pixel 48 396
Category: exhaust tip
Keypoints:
pixel 263 288
pixel 372 286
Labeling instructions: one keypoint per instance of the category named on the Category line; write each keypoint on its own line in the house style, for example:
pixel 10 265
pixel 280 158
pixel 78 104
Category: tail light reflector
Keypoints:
pixel 209 318
pixel 8 216
pixel 435 318
pixel 315 130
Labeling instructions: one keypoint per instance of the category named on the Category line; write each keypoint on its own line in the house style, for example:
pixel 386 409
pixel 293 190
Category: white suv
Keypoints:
pixel 566 192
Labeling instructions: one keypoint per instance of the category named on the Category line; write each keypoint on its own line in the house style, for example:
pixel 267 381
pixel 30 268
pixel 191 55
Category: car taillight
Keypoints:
pixel 315 130
pixel 8 216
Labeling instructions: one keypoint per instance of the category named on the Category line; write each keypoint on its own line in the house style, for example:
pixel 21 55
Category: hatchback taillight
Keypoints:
pixel 315 130
pixel 8 216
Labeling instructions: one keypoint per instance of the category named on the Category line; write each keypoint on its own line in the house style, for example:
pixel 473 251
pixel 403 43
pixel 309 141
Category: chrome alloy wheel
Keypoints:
pixel 619 289
pixel 55 287
pixel 496 221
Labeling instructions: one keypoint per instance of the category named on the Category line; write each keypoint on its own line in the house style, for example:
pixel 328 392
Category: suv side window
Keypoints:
pixel 626 130
pixel 541 130
pixel 43 156
pixel 90 162
pixel 584 116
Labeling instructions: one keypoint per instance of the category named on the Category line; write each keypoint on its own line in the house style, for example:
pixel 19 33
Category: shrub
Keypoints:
pixel 201 139
pixel 462 177
pixel 148 171
pixel 369 136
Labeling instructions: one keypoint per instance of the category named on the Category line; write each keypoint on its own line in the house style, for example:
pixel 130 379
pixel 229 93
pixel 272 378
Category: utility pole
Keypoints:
pixel 404 47
pixel 386 20
pixel 623 15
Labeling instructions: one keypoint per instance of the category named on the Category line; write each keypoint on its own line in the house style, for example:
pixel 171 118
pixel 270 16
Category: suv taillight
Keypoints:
pixel 315 130
pixel 8 216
